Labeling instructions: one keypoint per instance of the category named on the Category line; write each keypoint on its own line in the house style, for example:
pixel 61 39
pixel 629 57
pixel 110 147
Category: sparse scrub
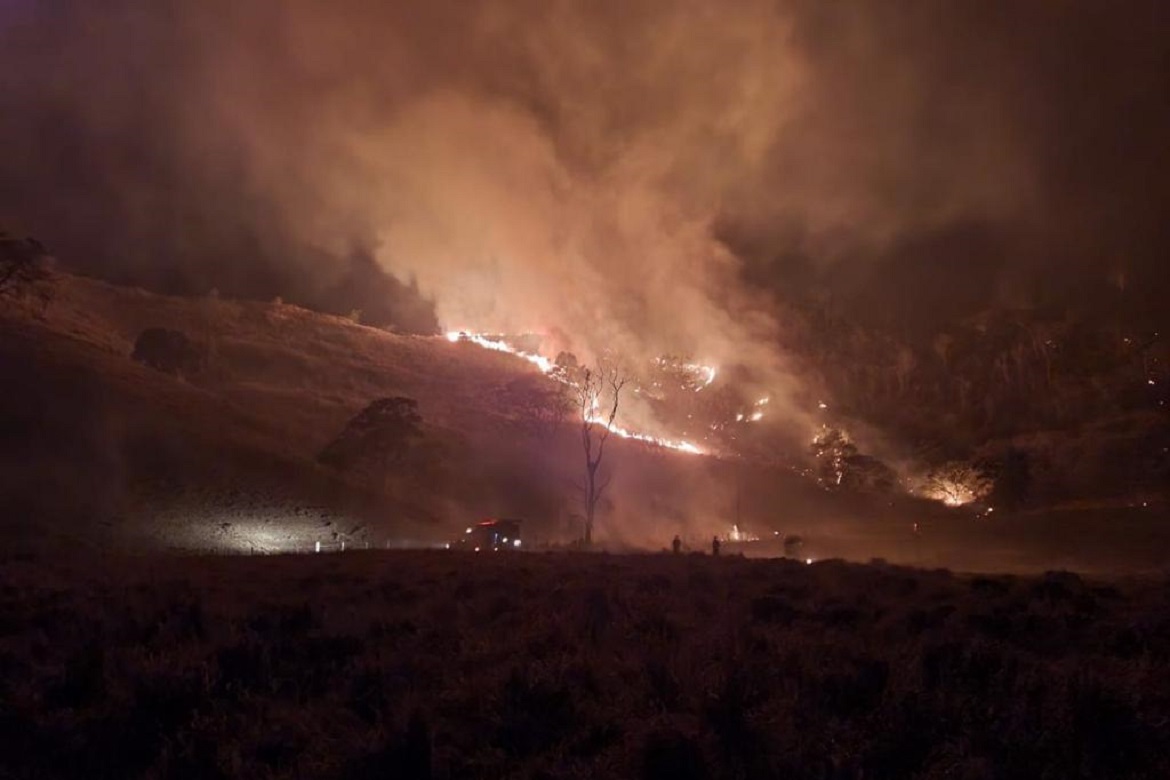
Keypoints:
pixel 575 665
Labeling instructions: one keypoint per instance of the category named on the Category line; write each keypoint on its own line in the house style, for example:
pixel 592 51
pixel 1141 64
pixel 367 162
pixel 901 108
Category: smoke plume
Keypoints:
pixel 607 173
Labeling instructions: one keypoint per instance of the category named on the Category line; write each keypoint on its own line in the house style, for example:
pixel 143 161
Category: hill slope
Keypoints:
pixel 98 438
pixel 98 449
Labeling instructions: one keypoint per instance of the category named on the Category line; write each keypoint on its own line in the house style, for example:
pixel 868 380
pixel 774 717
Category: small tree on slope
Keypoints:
pixel 379 437
pixel 598 396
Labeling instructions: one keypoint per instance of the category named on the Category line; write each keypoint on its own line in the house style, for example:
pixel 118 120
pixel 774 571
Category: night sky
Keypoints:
pixel 647 174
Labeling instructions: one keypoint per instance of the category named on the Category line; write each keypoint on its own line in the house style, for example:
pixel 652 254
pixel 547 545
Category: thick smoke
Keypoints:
pixel 608 173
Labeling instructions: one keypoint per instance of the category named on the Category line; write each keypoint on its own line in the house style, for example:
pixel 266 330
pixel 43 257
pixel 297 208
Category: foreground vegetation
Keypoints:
pixel 450 665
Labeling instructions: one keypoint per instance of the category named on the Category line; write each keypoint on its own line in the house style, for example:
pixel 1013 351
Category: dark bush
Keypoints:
pixel 670 755
pixel 535 715
pixel 169 351
pixel 773 609
pixel 227 668
pixel 23 264
pixel 379 437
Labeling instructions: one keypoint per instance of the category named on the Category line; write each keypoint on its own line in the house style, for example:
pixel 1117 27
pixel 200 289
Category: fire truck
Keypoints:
pixel 491 535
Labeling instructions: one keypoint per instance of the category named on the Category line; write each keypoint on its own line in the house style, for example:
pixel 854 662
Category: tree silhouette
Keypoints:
pixel 23 267
pixel 598 396
pixel 169 351
pixel 379 437
pixel 831 449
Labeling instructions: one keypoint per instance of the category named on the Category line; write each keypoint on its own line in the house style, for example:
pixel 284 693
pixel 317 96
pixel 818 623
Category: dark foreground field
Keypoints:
pixel 445 665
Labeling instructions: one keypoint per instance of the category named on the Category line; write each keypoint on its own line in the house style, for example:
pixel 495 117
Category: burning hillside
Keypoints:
pixel 661 409
pixel 677 404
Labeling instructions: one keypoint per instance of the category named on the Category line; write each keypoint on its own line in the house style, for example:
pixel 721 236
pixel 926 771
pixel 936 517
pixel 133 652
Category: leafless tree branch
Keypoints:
pixel 592 390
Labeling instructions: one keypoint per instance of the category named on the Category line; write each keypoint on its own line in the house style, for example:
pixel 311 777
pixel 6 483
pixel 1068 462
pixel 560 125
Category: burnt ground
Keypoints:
pixel 376 664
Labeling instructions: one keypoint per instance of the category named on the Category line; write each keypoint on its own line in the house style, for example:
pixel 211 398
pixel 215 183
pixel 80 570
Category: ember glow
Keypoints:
pixel 952 494
pixel 956 484
pixel 625 433
pixel 736 534
pixel 544 364
pixel 547 367
pixel 707 371
pixel 699 375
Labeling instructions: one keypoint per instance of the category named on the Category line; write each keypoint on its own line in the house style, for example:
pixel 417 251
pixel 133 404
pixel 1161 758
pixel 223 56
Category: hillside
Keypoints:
pixel 111 441
pixel 1080 402
pixel 102 450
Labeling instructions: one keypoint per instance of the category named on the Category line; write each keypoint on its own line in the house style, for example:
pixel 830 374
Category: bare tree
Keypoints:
pixel 598 396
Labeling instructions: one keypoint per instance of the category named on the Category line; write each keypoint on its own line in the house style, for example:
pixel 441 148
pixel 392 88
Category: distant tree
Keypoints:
pixel 840 465
pixel 379 437
pixel 24 267
pixel 832 449
pixel 598 396
pixel 957 482
pixel 567 361
pixel 169 351
pixel 865 472
pixel 1011 476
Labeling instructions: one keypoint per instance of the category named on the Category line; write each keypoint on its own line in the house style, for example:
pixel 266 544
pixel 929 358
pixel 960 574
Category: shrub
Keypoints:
pixel 380 436
pixel 24 268
pixel 670 755
pixel 169 351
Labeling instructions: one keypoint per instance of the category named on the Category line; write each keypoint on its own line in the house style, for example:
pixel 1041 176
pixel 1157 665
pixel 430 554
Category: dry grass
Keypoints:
pixel 281 382
pixel 102 450
pixel 558 665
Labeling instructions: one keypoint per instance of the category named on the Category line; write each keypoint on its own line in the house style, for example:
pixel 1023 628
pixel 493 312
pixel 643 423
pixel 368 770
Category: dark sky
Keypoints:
pixel 611 172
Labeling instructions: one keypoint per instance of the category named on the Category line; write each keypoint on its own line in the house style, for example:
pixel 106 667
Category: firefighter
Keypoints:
pixel 715 545
pixel 676 545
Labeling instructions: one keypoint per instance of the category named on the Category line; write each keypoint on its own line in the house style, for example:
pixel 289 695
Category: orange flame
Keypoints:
pixel 546 367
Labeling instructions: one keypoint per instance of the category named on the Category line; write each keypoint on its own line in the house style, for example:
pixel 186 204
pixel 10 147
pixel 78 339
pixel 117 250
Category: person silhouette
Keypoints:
pixel 715 545
pixel 676 545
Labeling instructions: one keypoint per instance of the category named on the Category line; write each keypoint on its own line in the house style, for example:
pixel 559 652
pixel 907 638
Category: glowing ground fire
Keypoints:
pixel 547 367
pixel 544 364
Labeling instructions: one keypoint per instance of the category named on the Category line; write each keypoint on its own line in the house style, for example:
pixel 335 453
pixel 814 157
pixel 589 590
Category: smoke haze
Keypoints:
pixel 642 176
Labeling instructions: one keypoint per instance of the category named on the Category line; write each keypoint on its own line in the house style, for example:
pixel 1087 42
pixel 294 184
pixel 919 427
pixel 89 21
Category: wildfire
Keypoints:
pixel 956 484
pixel 756 414
pixel 540 361
pixel 737 535
pixel 699 375
pixel 951 493
pixel 708 372
pixel 547 367
pixel 681 446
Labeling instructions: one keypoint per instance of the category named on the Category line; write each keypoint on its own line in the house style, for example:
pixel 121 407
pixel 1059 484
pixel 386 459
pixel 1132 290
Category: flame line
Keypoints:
pixel 546 367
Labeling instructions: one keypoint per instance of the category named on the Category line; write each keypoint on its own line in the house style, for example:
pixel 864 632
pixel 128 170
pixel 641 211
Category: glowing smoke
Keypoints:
pixel 570 168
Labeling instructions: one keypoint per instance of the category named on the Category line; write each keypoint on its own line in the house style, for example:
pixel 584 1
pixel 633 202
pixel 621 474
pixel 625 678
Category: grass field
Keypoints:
pixel 416 664
pixel 117 660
